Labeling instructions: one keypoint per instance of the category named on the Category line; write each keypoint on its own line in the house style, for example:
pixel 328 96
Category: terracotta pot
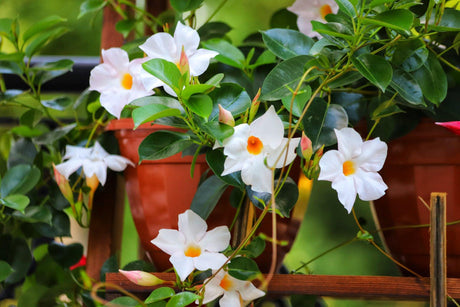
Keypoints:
pixel 425 160
pixel 158 191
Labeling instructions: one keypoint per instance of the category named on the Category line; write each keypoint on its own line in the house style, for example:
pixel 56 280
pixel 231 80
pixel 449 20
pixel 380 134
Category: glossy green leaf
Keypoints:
pixel 215 80
pixel 347 7
pixel 185 5
pixel 406 86
pixel 255 248
pixel 19 179
pixel 163 144
pixel 231 97
pixel 26 131
pixel 217 130
pixel 182 299
pixel 207 196
pixel 299 102
pixel 159 294
pixel 243 268
pixel 6 25
pixel 54 135
pixel 321 119
pixel 124 301
pixel 215 159
pixel 228 53
pixel 66 255
pixel 125 26
pixel 410 54
pixel 9 65
pixel 432 80
pixel 192 89
pixel 346 79
pixel 333 31
pixel 385 109
pixel 152 112
pixel 286 43
pixel 399 20
pixel 35 214
pixel 50 70
pixel 284 78
pixel 375 69
pixel 23 151
pixel 90 6
pixel 15 251
pixel 58 103
pixel 165 71
pixel 41 26
pixel 450 21
pixel 5 270
pixel 42 39
pixel 213 29
pixel 15 201
pixel 200 104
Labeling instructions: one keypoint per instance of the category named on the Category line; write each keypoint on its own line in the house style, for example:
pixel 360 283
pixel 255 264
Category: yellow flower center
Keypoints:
pixel 226 283
pixel 324 10
pixel 348 168
pixel 192 251
pixel 127 81
pixel 255 145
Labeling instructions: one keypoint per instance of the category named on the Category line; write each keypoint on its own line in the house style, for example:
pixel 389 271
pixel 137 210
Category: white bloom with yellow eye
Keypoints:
pixel 308 10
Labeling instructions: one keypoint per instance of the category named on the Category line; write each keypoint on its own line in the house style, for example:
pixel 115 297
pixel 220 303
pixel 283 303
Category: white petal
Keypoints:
pixel 186 37
pixel 232 165
pixel 212 289
pixel 69 167
pixel 97 168
pixel 258 176
pixel 114 102
pixel 349 142
pixel 182 264
pixel 209 261
pixel 117 163
pixel 192 226
pixel 373 155
pixel 235 146
pixel 77 152
pixel 331 165
pixel 142 77
pixel 98 152
pixel 103 77
pixel 369 185
pixel 160 45
pixel 216 240
pixel 280 153
pixel 116 58
pixel 199 61
pixel 170 241
pixel 268 128
pixel 249 292
pixel 346 191
pixel 230 299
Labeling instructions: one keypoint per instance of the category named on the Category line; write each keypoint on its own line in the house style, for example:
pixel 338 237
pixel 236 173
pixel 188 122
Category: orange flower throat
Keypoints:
pixel 348 168
pixel 127 81
pixel 192 251
pixel 255 145
pixel 324 10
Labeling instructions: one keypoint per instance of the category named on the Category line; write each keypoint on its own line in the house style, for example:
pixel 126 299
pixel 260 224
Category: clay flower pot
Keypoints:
pixel 158 191
pixel 425 160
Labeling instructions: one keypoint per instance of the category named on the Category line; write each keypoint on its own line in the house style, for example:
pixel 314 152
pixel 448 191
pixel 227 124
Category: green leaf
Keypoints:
pixel 5 270
pixel 243 268
pixel 50 70
pixel 42 39
pixel 321 119
pixel 228 53
pixel 255 248
pixel 299 102
pixel 333 31
pixel 231 97
pixel 287 197
pixel 347 7
pixel 212 30
pixel 151 112
pixel 163 144
pixel 385 109
pixel 90 6
pixel 22 152
pixel 200 104
pixel 19 179
pixel 284 78
pixel 207 196
pixel 182 299
pixel 125 301
pixel 41 26
pixel 58 103
pixel 375 69
pixel 406 86
pixel 15 201
pixel 215 160
pixel 125 26
pixel 159 295
pixel 450 21
pixel 286 43
pixel 35 214
pixel 54 135
pixel 399 20
pixel 410 54
pixel 15 251
pixel 66 255
pixel 432 80
pixel 192 89
pixel 139 265
pixel 217 130
pixel 185 5
pixel 346 79
pixel 26 131
pixel 165 71
pixel 215 80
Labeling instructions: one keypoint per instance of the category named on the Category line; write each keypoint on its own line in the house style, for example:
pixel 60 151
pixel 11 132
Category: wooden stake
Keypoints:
pixel 438 273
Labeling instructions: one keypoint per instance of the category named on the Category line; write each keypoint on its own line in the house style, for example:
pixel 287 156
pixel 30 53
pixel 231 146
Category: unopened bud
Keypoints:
pixel 306 146
pixel 452 126
pixel 183 64
pixel 226 117
pixel 63 185
pixel 254 106
pixel 142 278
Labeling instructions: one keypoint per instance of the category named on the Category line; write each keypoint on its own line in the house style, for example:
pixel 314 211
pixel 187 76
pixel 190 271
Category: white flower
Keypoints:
pixel 94 161
pixel 164 46
pixel 120 81
pixel 192 247
pixel 235 292
pixel 252 145
pixel 308 10
pixel 353 167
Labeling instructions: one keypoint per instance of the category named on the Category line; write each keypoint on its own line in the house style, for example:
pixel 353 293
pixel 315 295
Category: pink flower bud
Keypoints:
pixel 226 117
pixel 306 146
pixel 142 278
pixel 254 106
pixel 183 64
pixel 452 126
pixel 63 185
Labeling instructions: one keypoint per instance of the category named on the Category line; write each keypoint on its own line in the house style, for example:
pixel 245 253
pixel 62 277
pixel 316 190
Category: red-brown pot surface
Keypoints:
pixel 158 191
pixel 423 161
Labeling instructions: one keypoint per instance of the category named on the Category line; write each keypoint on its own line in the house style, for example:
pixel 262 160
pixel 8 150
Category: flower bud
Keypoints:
pixel 226 117
pixel 142 278
pixel 63 185
pixel 306 146
pixel 254 106
pixel 183 64
pixel 452 126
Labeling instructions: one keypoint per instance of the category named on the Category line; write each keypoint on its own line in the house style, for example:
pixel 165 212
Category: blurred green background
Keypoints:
pixel 326 223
